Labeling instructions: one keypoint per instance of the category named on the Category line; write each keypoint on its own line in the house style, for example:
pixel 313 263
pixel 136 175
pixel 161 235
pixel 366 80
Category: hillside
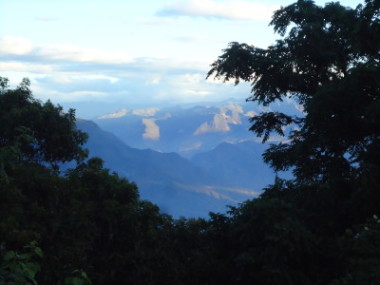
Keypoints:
pixel 177 185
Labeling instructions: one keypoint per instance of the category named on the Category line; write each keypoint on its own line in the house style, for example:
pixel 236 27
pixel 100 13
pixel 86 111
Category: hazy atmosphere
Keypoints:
pixel 102 56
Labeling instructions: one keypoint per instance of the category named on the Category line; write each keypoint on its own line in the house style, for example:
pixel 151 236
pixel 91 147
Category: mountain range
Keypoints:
pixel 187 161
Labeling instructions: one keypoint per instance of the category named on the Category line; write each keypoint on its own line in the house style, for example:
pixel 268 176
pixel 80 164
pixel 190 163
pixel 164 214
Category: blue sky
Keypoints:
pixel 101 56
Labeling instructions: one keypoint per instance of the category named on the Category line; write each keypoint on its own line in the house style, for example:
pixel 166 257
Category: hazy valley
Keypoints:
pixel 189 161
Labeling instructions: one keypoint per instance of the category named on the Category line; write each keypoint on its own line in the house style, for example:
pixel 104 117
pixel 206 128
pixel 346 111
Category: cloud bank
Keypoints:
pixel 69 74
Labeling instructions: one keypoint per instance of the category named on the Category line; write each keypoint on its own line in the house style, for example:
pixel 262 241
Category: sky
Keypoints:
pixel 102 56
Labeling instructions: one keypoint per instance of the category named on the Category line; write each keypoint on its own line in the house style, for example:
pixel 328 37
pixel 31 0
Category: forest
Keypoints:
pixel 87 225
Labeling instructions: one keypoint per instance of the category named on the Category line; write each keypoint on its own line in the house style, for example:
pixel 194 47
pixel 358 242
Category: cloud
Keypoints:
pixel 67 73
pixel 197 92
pixel 232 113
pixel 229 114
pixel 152 130
pixel 147 112
pixel 118 114
pixel 219 124
pixel 15 46
pixel 79 54
pixel 194 146
pixel 250 114
pixel 197 39
pixel 25 67
pixel 74 96
pixel 232 10
pixel 70 58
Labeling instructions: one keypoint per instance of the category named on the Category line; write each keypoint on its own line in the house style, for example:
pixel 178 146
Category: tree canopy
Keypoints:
pixel 41 132
pixel 328 62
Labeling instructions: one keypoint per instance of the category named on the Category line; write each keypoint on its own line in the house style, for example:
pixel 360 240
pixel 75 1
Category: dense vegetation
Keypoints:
pixel 87 225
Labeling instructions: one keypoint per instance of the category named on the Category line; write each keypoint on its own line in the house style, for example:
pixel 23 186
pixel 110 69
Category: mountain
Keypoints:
pixel 174 129
pixel 186 131
pixel 177 185
pixel 189 161
pixel 240 165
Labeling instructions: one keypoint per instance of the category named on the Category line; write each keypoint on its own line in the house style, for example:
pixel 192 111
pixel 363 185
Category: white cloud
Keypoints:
pixel 118 114
pixel 74 96
pixel 196 92
pixel 242 10
pixel 65 73
pixel 196 39
pixel 15 46
pixel 232 113
pixel 219 124
pixel 152 130
pixel 250 114
pixel 79 54
pixel 86 93
pixel 25 67
pixel 79 60
pixel 158 21
pixel 147 112
pixel 229 114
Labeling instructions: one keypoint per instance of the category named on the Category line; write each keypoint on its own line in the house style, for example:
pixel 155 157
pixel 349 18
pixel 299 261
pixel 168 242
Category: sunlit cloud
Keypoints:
pixel 229 114
pixel 118 114
pixel 152 130
pixel 219 124
pixel 146 112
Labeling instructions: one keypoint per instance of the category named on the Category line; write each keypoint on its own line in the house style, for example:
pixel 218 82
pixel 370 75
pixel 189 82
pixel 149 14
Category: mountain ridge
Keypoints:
pixel 174 183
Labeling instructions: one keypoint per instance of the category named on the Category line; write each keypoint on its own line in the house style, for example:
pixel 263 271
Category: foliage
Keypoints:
pixel 41 132
pixel 79 278
pixel 21 268
pixel 327 62
pixel 322 64
pixel 320 228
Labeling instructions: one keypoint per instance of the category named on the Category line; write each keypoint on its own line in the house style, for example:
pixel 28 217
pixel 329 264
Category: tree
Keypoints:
pixel 89 222
pixel 328 61
pixel 35 131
